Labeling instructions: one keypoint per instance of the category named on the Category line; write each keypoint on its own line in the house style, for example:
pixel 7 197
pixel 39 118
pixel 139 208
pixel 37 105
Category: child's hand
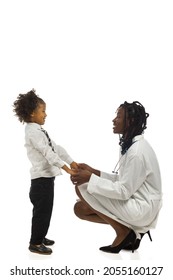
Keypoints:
pixel 72 171
pixel 74 165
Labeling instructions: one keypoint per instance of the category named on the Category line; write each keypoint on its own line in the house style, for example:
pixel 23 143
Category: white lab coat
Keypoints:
pixel 134 196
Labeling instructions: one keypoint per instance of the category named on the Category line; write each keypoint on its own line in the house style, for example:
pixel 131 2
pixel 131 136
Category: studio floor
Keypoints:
pixel 77 243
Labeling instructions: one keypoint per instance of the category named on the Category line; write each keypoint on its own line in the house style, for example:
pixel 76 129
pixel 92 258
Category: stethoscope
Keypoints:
pixel 117 166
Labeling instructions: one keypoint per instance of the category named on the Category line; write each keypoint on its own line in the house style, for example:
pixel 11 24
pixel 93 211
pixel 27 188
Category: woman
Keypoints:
pixel 130 199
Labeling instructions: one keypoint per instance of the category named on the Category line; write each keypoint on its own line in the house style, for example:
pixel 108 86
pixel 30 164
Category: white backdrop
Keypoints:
pixel 84 58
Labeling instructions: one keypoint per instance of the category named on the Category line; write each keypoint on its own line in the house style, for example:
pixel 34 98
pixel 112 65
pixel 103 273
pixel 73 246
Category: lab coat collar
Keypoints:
pixel 137 138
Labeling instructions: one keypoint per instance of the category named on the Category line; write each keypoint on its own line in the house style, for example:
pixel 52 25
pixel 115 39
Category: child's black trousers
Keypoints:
pixel 42 196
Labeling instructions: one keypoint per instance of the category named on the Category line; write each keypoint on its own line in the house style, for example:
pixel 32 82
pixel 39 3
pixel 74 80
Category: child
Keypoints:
pixel 47 159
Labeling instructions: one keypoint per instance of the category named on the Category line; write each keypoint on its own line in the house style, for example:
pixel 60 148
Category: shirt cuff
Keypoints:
pixel 69 160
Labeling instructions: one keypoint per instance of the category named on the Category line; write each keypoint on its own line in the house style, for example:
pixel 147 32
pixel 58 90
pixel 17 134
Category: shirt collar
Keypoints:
pixel 35 125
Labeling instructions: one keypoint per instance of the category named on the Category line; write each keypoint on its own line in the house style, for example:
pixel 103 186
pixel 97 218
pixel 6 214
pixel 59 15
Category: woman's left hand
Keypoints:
pixel 81 177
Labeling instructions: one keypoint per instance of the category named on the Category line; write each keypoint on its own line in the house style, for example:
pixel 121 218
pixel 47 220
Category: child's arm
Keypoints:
pixel 65 157
pixel 58 158
pixel 68 170
pixel 63 154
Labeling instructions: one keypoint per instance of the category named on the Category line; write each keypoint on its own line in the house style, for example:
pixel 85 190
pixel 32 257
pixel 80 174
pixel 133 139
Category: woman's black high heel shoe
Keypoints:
pixel 129 239
pixel 137 242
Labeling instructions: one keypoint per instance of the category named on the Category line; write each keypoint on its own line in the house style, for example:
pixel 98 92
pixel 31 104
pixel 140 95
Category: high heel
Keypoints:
pixel 149 235
pixel 137 242
pixel 129 239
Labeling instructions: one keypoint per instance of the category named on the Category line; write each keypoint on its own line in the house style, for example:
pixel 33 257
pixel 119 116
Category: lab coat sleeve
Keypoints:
pixel 39 142
pixel 113 177
pixel 133 176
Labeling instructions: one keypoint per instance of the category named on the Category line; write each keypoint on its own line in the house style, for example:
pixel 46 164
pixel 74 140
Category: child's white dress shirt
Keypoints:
pixel 45 162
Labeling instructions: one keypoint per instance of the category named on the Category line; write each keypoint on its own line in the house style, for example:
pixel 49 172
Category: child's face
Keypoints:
pixel 39 115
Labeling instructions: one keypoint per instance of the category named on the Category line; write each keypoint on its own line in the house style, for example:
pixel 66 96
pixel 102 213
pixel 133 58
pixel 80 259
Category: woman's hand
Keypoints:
pixel 86 167
pixel 81 177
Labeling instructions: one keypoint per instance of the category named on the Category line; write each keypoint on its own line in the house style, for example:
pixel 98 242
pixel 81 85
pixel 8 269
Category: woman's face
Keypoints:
pixel 118 121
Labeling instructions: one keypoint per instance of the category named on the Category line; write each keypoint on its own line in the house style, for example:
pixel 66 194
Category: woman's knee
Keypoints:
pixel 80 210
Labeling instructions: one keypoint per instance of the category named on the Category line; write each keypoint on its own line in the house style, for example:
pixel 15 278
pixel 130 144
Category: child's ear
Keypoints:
pixel 32 115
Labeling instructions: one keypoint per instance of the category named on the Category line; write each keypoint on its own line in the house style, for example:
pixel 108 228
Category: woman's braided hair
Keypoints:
pixel 136 117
